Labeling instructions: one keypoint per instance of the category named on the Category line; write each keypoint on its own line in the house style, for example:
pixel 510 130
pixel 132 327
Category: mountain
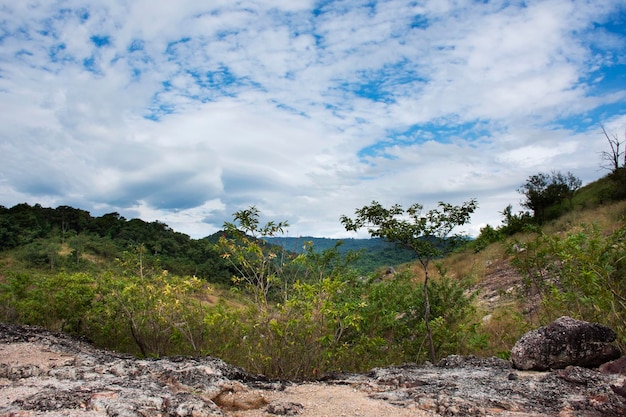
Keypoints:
pixel 374 253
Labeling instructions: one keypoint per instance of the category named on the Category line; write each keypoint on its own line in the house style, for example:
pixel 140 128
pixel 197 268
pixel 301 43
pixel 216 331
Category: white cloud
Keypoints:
pixel 185 113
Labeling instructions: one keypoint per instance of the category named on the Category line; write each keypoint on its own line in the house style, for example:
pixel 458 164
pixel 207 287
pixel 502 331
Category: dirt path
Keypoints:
pixel 323 400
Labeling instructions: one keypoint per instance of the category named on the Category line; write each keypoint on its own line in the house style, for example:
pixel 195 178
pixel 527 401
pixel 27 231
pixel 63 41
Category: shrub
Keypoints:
pixel 582 274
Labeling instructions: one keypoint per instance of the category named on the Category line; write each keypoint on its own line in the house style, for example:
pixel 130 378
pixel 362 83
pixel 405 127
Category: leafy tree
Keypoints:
pixel 78 244
pixel 514 222
pixel 68 219
pixel 426 234
pixel 487 236
pixel 9 230
pixel 29 222
pixel 545 191
pixel 251 256
pixel 108 225
pixel 311 327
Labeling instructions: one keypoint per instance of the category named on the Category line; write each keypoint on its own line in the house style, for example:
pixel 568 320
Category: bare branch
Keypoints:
pixel 611 160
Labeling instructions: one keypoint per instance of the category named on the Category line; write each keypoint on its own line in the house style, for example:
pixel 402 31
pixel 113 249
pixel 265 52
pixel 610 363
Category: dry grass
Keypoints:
pixel 478 266
pixel 607 217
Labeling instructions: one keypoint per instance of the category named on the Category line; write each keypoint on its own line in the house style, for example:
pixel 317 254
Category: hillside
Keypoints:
pixel 64 237
pixel 68 238
pixel 134 287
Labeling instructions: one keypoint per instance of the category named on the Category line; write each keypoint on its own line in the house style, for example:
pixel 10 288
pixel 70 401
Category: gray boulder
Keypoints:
pixel 565 342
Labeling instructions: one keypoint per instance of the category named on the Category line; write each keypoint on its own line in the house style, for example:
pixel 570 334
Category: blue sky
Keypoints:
pixel 187 111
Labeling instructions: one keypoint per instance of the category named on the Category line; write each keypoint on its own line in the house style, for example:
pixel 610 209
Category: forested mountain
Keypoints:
pixel 65 236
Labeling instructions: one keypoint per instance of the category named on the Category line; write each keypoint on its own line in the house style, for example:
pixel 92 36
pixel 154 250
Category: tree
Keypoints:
pixel 428 235
pixel 250 255
pixel 611 160
pixel 513 223
pixel 544 191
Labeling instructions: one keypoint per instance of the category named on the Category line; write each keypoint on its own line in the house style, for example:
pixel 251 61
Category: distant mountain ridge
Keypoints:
pixel 375 252
pixel 296 244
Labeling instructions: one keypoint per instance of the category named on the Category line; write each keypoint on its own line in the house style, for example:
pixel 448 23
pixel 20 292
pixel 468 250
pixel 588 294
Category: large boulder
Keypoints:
pixel 565 342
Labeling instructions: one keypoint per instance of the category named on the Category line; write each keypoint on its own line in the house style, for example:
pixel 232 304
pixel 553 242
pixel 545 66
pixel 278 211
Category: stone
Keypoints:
pixel 565 342
pixel 63 376
pixel 617 366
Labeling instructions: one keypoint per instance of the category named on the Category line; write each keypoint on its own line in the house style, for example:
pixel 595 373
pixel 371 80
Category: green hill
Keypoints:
pixel 67 238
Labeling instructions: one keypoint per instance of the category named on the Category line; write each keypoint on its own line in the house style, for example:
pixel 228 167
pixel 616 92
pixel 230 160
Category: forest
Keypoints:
pixel 145 289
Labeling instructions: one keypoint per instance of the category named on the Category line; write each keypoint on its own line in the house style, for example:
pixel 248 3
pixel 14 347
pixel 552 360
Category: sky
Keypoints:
pixel 187 111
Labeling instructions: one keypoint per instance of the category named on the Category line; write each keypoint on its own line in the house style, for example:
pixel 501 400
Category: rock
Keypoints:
pixel 619 389
pixel 236 396
pixel 470 386
pixel 104 382
pixel 44 374
pixel 617 366
pixel 565 342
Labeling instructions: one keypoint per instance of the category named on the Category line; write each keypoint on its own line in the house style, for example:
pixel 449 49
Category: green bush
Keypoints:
pixel 582 274
pixel 152 316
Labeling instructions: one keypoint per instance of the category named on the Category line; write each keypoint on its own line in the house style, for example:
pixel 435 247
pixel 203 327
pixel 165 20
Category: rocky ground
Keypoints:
pixel 55 375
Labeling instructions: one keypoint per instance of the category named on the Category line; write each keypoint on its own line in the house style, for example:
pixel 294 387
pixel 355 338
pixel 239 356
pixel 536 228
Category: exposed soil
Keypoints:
pixel 499 285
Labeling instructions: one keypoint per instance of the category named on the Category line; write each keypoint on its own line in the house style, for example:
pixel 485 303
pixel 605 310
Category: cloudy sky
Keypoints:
pixel 187 111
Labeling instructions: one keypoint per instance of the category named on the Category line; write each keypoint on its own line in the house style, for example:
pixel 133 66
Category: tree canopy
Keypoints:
pixel 544 191
pixel 426 234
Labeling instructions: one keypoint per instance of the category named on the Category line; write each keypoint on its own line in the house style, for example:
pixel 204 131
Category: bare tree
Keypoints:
pixel 611 160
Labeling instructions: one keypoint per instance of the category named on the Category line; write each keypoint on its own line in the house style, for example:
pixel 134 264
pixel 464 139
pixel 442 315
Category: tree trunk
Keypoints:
pixel 429 332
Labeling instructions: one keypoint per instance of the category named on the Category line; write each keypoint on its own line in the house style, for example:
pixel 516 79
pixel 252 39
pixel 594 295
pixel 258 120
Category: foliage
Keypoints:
pixel 58 301
pixel 308 314
pixel 159 313
pixel 152 316
pixel 581 274
pixel 141 288
pixel 426 234
pixel 302 330
pixel 513 223
pixel 545 194
pixel 258 264
pixel 39 236
pixel 487 236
